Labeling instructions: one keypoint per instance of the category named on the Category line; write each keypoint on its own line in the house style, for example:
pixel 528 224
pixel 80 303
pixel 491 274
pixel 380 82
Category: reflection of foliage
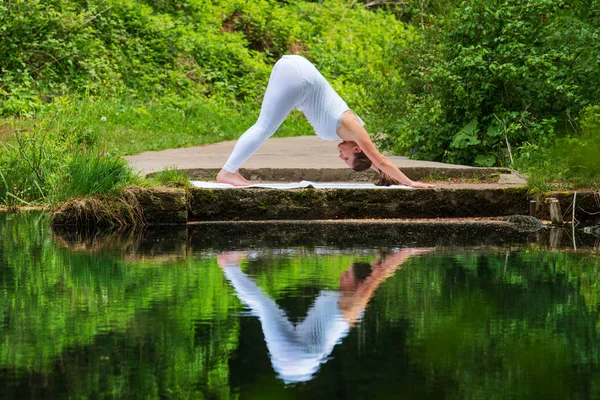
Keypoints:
pixel 498 322
pixel 286 274
pixel 505 323
pixel 469 324
pixel 57 301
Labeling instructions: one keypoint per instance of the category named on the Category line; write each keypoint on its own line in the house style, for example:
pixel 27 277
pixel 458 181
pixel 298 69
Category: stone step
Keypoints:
pixel 308 204
pixel 156 206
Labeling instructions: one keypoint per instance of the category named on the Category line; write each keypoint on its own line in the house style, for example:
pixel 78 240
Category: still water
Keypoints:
pixel 216 312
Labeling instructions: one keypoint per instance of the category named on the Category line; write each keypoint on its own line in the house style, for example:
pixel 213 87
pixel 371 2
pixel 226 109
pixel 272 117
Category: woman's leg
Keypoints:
pixel 284 91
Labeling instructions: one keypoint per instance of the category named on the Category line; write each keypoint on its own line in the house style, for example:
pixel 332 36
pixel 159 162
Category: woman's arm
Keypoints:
pixel 351 130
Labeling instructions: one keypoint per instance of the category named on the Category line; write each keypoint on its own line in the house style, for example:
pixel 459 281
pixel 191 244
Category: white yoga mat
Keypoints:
pixel 297 185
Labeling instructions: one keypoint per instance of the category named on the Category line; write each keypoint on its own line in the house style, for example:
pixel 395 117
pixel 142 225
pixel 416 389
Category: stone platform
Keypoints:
pixel 300 158
pixel 320 204
pixel 461 191
pixel 159 206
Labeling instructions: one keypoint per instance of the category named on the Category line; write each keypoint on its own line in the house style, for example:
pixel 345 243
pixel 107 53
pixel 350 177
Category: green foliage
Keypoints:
pixel 90 173
pixel 52 163
pixel 129 316
pixel 416 12
pixel 150 50
pixel 491 76
pixel 568 162
pixel 172 177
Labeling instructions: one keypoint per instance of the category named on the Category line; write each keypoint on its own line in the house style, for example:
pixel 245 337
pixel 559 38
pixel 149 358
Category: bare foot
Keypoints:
pixel 417 251
pixel 233 178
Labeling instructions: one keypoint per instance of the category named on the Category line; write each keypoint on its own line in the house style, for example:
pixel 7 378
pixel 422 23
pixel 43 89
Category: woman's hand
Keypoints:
pixel 395 259
pixel 421 185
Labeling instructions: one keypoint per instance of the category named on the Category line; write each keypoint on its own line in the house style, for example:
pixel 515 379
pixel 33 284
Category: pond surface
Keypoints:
pixel 199 314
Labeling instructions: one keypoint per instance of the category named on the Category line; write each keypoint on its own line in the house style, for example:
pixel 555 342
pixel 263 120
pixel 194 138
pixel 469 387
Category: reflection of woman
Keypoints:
pixel 295 82
pixel 297 351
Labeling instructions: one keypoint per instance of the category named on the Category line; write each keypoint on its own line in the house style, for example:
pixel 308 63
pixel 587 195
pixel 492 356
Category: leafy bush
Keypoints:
pixel 491 76
pixel 567 162
pixel 150 50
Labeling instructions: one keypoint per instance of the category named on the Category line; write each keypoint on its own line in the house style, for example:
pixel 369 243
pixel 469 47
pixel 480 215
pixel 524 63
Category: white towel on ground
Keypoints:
pixel 297 185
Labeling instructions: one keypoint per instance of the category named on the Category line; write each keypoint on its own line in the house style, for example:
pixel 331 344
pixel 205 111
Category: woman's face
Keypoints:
pixel 347 151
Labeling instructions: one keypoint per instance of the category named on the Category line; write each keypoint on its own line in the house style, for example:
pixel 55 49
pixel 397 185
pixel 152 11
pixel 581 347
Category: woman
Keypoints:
pixel 295 82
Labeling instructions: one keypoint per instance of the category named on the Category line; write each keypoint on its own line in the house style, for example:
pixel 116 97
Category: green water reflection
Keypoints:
pixel 107 319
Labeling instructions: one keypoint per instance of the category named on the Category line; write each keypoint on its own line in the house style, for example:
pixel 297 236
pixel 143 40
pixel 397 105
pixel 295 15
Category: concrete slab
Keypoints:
pixel 296 158
pixel 303 152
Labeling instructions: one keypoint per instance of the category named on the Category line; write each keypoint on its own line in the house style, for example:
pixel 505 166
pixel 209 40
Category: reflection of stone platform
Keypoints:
pixel 274 237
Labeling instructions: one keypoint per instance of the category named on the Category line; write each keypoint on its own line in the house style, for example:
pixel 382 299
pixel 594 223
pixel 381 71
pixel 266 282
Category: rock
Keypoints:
pixel 592 230
pixel 525 223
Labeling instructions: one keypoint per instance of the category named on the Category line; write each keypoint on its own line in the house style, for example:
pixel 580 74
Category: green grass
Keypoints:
pixel 52 161
pixel 171 177
pixel 73 148
pixel 125 126
pixel 566 164
pixel 92 173
pixel 24 166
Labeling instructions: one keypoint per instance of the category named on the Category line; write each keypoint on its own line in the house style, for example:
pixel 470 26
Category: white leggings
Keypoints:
pixel 284 92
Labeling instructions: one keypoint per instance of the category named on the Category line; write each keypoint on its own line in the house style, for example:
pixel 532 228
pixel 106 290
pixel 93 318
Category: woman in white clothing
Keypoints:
pixel 295 82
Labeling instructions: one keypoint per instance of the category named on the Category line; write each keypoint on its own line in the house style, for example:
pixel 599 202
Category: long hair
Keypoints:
pixel 362 163
pixel 361 271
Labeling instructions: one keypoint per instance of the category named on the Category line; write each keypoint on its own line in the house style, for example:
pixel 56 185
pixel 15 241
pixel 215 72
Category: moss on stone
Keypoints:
pixel 168 205
pixel 134 206
pixel 266 204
